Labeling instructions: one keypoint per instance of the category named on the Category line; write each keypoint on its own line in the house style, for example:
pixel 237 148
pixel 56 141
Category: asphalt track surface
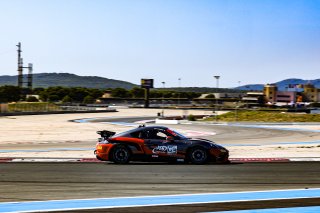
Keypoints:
pixel 57 181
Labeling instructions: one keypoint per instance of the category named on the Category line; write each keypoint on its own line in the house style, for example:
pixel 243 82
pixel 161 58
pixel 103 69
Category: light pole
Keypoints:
pixel 163 85
pixel 216 97
pixel 217 78
pixel 236 110
pixel 179 79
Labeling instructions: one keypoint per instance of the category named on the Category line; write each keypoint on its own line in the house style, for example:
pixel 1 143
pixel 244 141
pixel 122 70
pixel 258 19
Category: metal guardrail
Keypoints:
pixel 56 112
pixel 38 109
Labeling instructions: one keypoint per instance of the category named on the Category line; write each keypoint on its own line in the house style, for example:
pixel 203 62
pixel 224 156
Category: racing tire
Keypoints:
pixel 121 154
pixel 198 155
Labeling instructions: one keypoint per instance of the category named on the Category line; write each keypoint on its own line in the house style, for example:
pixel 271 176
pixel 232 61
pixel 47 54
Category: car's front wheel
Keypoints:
pixel 121 155
pixel 198 155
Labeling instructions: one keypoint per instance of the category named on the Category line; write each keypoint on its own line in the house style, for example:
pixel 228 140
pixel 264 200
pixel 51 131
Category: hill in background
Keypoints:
pixel 45 80
pixel 68 80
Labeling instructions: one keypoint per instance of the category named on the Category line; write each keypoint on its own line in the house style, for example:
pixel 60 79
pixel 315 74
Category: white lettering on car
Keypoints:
pixel 170 149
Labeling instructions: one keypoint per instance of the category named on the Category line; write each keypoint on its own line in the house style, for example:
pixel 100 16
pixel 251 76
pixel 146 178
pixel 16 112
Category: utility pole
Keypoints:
pixel 20 70
pixel 164 86
pixel 20 66
pixel 179 79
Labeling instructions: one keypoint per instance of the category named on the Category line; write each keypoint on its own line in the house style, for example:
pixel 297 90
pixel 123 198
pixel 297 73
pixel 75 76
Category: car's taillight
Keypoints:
pixel 99 148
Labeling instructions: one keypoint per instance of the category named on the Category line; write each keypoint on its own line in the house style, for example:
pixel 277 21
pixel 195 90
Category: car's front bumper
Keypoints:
pixel 223 157
pixel 219 155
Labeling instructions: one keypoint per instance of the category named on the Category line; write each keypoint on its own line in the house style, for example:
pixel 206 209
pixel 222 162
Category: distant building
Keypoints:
pixel 254 97
pixel 311 93
pixel 286 96
pixel 270 92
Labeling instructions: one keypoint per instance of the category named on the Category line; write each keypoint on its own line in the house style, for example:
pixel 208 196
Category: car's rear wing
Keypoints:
pixel 106 134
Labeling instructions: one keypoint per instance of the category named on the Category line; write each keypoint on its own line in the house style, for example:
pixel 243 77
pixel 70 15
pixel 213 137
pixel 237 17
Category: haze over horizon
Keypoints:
pixel 254 42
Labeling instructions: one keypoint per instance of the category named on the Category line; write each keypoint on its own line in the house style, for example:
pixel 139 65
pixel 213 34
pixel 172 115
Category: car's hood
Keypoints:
pixel 202 140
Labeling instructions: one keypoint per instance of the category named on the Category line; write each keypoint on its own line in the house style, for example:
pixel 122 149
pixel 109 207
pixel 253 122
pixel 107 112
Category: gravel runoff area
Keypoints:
pixel 49 136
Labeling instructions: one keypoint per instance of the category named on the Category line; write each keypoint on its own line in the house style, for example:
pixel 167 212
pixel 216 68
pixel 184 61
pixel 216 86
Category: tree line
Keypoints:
pixel 83 95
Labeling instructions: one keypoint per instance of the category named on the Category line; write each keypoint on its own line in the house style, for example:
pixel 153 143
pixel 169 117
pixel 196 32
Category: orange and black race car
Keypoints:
pixel 157 143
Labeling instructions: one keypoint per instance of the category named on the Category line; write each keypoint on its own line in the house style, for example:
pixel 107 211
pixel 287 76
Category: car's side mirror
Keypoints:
pixel 170 139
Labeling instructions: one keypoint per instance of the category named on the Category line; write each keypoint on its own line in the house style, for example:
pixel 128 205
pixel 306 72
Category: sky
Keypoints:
pixel 242 41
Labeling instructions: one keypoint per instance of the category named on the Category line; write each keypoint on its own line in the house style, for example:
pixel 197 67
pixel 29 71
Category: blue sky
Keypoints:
pixel 252 41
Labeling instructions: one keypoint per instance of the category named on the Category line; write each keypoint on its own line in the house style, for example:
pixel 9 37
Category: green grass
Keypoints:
pixel 33 107
pixel 262 116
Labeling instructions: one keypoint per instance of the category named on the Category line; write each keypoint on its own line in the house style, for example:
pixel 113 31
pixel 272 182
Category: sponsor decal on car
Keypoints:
pixel 170 149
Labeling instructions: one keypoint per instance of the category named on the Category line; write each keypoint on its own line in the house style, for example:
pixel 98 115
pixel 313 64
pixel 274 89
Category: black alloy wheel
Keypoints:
pixel 198 155
pixel 121 155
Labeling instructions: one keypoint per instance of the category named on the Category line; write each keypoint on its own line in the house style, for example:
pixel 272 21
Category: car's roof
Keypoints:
pixel 151 127
pixel 140 128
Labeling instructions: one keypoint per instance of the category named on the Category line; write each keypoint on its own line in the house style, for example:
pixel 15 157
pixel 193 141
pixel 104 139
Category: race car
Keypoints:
pixel 157 143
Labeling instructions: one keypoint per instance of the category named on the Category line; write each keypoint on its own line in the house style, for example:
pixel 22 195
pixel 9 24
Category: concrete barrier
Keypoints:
pixel 163 121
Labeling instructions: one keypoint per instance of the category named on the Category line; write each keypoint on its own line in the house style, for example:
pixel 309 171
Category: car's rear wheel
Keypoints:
pixel 198 155
pixel 121 154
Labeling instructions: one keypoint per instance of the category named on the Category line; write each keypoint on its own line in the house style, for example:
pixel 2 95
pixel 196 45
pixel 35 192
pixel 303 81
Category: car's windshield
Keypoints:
pixel 176 133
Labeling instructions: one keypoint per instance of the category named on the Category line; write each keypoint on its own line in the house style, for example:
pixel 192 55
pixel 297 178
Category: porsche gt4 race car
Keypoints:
pixel 157 143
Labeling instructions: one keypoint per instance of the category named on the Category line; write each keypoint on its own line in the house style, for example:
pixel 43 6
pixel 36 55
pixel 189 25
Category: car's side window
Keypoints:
pixel 152 134
pixel 146 134
pixel 161 135
pixel 137 134
pixel 156 134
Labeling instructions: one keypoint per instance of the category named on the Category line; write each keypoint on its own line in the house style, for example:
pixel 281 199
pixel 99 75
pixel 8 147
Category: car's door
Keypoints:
pixel 151 141
pixel 159 146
